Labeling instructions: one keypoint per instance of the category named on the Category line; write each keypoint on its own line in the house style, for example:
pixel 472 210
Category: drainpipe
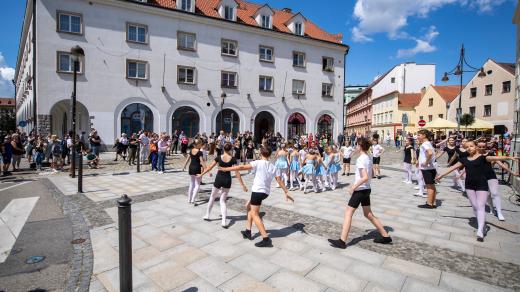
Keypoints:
pixel 35 114
pixel 343 90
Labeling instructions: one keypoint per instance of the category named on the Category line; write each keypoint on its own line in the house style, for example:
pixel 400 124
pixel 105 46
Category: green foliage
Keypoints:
pixel 7 120
pixel 467 120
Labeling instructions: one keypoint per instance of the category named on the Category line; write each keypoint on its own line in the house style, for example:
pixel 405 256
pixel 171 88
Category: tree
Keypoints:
pixel 467 120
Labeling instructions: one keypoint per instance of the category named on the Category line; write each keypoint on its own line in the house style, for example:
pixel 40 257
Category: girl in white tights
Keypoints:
pixel 196 160
pixel 222 182
pixel 308 170
pixel 476 184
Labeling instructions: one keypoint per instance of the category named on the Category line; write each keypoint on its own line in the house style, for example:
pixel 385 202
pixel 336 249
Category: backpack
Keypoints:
pixel 64 148
pixel 56 149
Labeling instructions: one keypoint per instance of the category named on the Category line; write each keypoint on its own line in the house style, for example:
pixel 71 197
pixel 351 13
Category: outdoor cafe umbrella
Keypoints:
pixel 439 123
pixel 481 125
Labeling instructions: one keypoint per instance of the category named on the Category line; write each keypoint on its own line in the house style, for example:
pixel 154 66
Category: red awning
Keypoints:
pixel 296 118
pixel 325 118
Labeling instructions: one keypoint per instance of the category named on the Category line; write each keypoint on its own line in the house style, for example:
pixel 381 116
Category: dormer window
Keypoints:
pixel 266 21
pixel 187 5
pixel 229 13
pixel 298 28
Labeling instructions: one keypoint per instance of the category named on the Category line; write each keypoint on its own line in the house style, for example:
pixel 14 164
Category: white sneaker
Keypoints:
pixel 416 188
pixel 405 181
pixel 161 172
pixel 408 182
pixel 501 217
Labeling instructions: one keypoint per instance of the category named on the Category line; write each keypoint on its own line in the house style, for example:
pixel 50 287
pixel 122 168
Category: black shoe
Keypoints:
pixel 383 240
pixel 343 174
pixel 246 234
pixel 427 206
pixel 348 174
pixel 378 177
pixel 266 242
pixel 480 239
pixel 338 243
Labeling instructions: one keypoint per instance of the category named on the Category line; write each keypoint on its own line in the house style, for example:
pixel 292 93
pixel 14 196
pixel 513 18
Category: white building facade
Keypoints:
pixel 162 68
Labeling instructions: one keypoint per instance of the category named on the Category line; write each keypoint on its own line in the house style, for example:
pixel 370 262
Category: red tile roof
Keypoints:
pixel 448 93
pixel 409 99
pixel 6 101
pixel 245 15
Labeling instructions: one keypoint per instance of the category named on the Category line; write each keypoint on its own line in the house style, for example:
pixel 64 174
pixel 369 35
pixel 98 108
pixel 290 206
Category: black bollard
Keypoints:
pixel 80 171
pixel 125 243
pixel 138 155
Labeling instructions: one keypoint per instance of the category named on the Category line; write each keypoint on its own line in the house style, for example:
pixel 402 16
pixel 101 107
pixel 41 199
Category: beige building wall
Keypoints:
pixel 432 106
pixel 387 115
pixel 502 103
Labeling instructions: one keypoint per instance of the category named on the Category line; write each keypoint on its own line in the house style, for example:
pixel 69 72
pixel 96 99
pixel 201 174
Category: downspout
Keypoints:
pixel 35 114
pixel 343 90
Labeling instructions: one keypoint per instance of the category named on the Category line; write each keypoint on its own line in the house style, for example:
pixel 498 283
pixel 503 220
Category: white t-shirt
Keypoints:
pixel 303 153
pixel 363 162
pixel 144 140
pixel 264 175
pixel 425 146
pixel 376 150
pixel 347 151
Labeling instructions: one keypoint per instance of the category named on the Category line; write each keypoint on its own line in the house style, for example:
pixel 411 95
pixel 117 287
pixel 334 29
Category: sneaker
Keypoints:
pixel 383 240
pixel 378 177
pixel 246 234
pixel 266 242
pixel 338 243
pixel 416 188
pixel 408 182
pixel 501 217
pixel 206 218
pixel 427 206
pixel 405 181
pixel 224 224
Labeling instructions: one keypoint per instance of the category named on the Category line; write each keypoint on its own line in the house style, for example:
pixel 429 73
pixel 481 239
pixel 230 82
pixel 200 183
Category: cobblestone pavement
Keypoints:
pixel 433 250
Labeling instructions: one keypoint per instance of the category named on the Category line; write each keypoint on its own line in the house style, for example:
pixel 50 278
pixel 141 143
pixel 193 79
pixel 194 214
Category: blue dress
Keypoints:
pixel 282 163
pixel 308 168
pixel 320 170
pixel 295 164
pixel 334 166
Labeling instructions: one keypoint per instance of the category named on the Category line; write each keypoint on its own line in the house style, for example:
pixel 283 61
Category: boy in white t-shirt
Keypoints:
pixel 377 151
pixel 427 167
pixel 346 152
pixel 264 172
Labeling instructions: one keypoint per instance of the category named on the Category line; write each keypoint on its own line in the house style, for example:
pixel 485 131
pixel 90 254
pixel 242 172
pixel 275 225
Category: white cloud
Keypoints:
pixel 6 75
pixel 423 44
pixel 391 16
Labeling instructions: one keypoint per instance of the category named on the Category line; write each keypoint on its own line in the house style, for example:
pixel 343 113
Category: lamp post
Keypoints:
pixel 459 70
pixel 76 53
pixel 223 98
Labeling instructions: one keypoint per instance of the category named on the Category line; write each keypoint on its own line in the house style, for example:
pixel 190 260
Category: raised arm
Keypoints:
pixel 284 188
pixel 449 170
pixel 208 169
pixel 501 158
pixel 239 177
pixel 506 168
pixel 186 163
pixel 236 168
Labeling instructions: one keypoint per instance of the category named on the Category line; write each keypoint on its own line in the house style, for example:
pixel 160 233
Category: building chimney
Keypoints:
pixel 288 10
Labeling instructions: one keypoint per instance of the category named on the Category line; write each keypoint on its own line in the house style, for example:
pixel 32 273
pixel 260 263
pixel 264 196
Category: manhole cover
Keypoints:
pixel 34 259
pixel 16 251
pixel 78 241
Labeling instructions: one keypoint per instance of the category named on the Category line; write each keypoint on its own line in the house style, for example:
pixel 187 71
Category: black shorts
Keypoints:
pixel 376 160
pixel 346 160
pixel 257 198
pixel 360 197
pixel 429 176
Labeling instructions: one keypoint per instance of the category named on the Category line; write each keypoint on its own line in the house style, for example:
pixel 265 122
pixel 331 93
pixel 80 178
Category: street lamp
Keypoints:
pixel 223 97
pixel 459 71
pixel 77 54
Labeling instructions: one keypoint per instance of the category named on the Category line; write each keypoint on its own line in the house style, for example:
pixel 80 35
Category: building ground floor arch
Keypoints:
pixel 227 120
pixel 296 125
pixel 186 119
pixel 61 118
pixel 264 122
pixel 136 117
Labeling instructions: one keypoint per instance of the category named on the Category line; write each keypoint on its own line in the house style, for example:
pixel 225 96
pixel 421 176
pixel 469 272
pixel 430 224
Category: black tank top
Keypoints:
pixel 195 166
pixel 475 173
pixel 408 154
pixel 451 152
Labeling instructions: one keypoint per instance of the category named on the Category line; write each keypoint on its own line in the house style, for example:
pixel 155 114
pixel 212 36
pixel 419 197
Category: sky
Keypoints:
pixel 380 33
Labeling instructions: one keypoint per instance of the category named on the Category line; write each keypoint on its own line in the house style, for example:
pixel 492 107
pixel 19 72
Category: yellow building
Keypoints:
pixel 388 110
pixel 436 102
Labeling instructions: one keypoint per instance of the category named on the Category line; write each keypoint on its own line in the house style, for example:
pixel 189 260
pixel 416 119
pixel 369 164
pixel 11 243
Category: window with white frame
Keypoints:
pixel 487 110
pixel 266 54
pixel 298 28
pixel 66 63
pixel 185 75
pixel 489 89
pixel 326 89
pixel 229 79
pixel 298 86
pixel 136 69
pixel 265 21
pixel 266 83
pixel 186 5
pixel 328 64
pixel 136 33
pixel 229 47
pixel 186 41
pixel 70 22
pixel 229 13
pixel 298 59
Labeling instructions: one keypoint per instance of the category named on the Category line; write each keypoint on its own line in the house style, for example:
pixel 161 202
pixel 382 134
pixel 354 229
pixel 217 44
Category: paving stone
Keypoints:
pixel 213 270
pixel 413 285
pixel 452 229
pixel 292 262
pixel 414 270
pixel 184 254
pixel 456 282
pixel 196 285
pixel 336 279
pixel 453 245
pixel 254 266
pixel 223 250
pixel 381 276
pixel 147 257
pixel 245 283
pixel 430 232
pixel 169 275
pixel 488 243
pixel 296 246
pixel 197 238
pixel 163 241
pixel 329 258
pixel 375 287
pixel 105 257
pixel 288 281
pixel 110 279
pixel 364 255
pixel 408 235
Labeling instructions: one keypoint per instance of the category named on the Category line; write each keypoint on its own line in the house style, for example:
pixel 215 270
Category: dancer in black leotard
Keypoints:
pixel 476 181
pixel 451 149
pixel 222 182
pixel 196 167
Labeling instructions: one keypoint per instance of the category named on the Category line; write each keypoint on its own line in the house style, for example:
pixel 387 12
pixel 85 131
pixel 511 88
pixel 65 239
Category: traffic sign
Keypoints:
pixel 22 124
pixel 404 119
pixel 422 123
